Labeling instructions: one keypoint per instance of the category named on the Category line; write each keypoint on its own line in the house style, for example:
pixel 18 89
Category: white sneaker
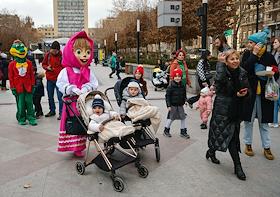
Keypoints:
pixel 270 125
pixel 275 125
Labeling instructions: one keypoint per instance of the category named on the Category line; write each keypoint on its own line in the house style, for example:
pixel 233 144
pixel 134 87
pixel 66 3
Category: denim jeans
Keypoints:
pixel 51 85
pixel 263 127
pixel 276 110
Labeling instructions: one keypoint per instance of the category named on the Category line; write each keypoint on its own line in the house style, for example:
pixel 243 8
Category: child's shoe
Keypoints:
pixel 203 126
pixel 184 133
pixel 166 132
pixel 79 154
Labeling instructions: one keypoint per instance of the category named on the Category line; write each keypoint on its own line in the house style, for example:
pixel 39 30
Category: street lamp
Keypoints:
pixel 116 42
pixel 257 18
pixel 105 42
pixel 138 40
pixel 202 12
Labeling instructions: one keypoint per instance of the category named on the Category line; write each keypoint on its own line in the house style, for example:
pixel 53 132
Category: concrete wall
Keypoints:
pixel 148 74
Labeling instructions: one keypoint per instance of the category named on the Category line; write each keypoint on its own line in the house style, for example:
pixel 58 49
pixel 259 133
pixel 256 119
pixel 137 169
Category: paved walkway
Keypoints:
pixel 28 156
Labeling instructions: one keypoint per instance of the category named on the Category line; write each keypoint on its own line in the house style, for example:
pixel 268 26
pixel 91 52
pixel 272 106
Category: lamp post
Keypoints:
pixel 204 25
pixel 257 18
pixel 105 42
pixel 116 42
pixel 138 40
pixel 178 35
pixel 202 13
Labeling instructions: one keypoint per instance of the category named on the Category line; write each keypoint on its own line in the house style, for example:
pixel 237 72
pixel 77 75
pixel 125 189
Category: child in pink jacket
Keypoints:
pixel 205 105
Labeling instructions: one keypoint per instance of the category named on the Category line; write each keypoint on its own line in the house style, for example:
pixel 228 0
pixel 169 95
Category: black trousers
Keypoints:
pixel 37 104
pixel 234 146
pixel 194 99
pixel 118 71
pixel 113 71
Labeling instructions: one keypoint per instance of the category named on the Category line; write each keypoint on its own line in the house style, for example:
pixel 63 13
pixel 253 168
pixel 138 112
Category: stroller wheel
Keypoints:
pixel 143 171
pixel 118 184
pixel 157 150
pixel 80 167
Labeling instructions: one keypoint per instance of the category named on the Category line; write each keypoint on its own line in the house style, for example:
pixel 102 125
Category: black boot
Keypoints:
pixel 239 172
pixel 184 133
pixel 166 132
pixel 210 153
pixel 203 126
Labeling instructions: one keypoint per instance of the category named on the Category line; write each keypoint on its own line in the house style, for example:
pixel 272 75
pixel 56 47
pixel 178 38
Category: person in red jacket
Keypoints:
pixel 22 82
pixel 52 65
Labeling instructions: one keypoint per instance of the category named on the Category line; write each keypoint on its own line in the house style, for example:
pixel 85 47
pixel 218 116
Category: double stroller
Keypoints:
pixel 111 156
pixel 143 135
pixel 160 79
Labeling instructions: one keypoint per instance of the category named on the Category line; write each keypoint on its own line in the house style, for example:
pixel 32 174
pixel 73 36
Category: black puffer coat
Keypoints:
pixel 225 121
pixel 248 63
pixel 175 94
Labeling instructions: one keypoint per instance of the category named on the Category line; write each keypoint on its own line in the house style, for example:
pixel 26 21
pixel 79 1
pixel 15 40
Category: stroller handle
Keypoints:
pixel 72 98
pixel 111 88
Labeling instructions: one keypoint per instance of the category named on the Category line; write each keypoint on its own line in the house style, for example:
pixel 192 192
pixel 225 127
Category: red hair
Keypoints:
pixel 179 51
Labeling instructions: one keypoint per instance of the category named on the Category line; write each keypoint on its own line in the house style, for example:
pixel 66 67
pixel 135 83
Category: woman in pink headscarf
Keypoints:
pixel 76 78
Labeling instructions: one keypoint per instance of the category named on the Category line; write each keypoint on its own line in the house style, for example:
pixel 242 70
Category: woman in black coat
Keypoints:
pixel 231 90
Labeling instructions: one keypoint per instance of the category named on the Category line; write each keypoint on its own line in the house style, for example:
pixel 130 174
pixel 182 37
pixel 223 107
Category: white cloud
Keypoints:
pixel 42 10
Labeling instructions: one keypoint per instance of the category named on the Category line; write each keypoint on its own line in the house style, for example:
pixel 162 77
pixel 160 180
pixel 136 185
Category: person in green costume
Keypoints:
pixel 22 82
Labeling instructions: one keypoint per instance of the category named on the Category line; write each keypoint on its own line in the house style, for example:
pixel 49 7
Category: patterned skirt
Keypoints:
pixel 70 142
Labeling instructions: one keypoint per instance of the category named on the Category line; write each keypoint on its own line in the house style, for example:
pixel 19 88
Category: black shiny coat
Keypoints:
pixel 225 120
pixel 175 94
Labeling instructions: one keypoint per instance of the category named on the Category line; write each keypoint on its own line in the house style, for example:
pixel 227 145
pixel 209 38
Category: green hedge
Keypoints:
pixel 152 58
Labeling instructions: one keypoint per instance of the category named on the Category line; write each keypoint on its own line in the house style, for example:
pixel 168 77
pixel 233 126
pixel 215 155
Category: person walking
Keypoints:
pixel 139 76
pixel 276 54
pixel 38 92
pixel 180 62
pixel 113 63
pixel 221 44
pixel 52 65
pixel 4 67
pixel 175 99
pixel 231 83
pixel 258 106
pixel 203 70
pixel 75 79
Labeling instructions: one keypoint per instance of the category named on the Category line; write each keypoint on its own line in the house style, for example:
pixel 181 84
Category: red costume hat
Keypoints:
pixel 140 69
pixel 176 72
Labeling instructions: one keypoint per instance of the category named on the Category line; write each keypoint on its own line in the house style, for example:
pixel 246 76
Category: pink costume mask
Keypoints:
pixel 70 60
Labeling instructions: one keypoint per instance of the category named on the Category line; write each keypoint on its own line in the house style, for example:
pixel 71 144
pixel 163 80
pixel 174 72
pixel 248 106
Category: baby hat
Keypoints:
pixel 133 84
pixel 176 72
pixel 204 91
pixel 140 69
pixel 98 101
pixel 260 37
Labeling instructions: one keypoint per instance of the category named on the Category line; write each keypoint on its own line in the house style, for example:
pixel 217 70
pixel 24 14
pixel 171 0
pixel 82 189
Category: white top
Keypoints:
pixel 66 88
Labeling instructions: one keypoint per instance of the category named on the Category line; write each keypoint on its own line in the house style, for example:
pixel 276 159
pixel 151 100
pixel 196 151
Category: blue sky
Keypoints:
pixel 42 10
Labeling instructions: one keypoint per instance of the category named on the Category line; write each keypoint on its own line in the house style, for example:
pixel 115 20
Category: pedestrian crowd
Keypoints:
pixel 238 92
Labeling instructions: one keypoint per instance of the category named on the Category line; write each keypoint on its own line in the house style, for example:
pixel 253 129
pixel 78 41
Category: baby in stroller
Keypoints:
pixel 160 78
pixel 135 107
pixel 106 123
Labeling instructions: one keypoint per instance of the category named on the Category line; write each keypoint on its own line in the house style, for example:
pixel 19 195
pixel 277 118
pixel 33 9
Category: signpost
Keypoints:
pixel 170 15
